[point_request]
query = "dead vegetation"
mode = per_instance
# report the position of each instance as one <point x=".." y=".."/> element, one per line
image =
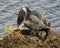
<point x="18" y="40"/>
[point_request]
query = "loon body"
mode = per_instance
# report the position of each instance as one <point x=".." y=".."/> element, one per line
<point x="34" y="21"/>
<point x="33" y="16"/>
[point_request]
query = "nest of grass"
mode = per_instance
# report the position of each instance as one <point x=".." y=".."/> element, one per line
<point x="18" y="40"/>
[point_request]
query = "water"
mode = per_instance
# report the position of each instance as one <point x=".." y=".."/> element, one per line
<point x="9" y="11"/>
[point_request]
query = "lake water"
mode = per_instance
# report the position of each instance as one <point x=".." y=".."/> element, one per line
<point x="9" y="10"/>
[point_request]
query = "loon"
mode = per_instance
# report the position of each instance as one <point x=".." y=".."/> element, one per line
<point x="34" y="16"/>
<point x="34" y="21"/>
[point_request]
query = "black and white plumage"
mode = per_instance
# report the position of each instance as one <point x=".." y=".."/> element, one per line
<point x="24" y="11"/>
<point x="33" y="16"/>
<point x="34" y="21"/>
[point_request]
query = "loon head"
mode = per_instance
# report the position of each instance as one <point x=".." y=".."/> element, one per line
<point x="24" y="11"/>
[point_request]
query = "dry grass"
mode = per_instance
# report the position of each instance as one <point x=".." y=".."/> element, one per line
<point x="17" y="40"/>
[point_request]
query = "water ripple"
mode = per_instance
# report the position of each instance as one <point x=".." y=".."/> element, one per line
<point x="9" y="11"/>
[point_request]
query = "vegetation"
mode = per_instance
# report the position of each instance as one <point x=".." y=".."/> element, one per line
<point x="18" y="40"/>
